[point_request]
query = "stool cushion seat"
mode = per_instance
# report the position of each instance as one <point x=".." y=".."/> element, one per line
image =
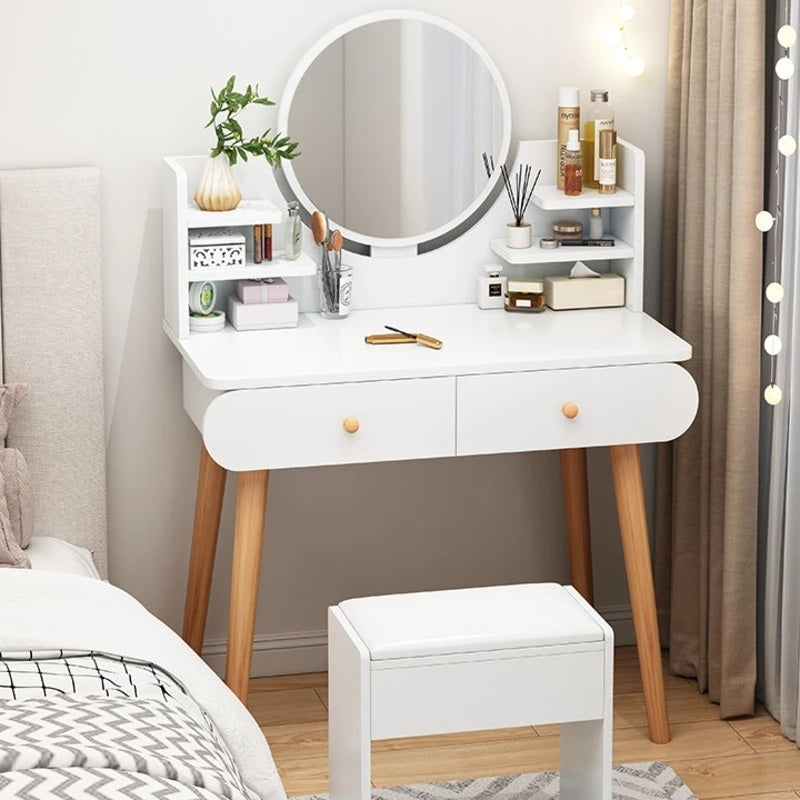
<point x="469" y="620"/>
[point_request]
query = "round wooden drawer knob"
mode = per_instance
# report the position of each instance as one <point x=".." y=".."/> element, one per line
<point x="570" y="410"/>
<point x="351" y="424"/>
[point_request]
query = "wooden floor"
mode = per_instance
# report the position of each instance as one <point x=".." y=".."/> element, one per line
<point x="746" y="759"/>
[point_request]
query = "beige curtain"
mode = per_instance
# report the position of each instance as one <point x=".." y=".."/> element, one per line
<point x="711" y="295"/>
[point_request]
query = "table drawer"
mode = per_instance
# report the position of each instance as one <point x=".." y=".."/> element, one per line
<point x="522" y="411"/>
<point x="303" y="426"/>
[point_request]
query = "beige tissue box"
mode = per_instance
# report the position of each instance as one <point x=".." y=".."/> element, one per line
<point x="563" y="293"/>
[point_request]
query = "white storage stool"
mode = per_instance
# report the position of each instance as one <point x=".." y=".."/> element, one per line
<point x="470" y="659"/>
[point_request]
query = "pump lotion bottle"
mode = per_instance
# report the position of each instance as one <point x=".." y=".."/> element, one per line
<point x="569" y="118"/>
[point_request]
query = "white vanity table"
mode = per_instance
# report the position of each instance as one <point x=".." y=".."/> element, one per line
<point x="319" y="395"/>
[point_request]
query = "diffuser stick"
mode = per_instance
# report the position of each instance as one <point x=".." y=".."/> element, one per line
<point x="521" y="190"/>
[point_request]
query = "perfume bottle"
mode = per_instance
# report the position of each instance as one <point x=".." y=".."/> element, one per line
<point x="492" y="287"/>
<point x="573" y="165"/>
<point x="292" y="233"/>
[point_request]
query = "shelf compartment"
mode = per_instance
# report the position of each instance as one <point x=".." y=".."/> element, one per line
<point x="551" y="198"/>
<point x="535" y="255"/>
<point x="279" y="267"/>
<point x="248" y="212"/>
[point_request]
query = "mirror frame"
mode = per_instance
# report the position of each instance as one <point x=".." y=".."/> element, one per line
<point x="456" y="226"/>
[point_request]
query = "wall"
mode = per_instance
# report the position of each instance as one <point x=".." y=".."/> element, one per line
<point x="97" y="82"/>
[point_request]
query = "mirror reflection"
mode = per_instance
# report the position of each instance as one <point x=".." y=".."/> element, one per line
<point x="393" y="118"/>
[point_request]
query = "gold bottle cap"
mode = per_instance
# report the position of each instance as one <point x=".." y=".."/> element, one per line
<point x="526" y="285"/>
<point x="268" y="227"/>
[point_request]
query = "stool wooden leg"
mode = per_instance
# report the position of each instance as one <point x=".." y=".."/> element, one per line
<point x="251" y="503"/>
<point x="575" y="484"/>
<point x="627" y="472"/>
<point x="349" y="757"/>
<point x="207" y="510"/>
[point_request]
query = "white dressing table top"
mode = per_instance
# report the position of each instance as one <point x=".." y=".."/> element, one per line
<point x="475" y="342"/>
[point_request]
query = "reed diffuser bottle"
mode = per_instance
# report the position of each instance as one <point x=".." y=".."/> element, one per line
<point x="519" y="191"/>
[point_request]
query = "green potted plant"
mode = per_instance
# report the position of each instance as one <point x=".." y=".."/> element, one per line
<point x="217" y="190"/>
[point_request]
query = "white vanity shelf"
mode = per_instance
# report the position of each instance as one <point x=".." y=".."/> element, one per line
<point x="536" y="255"/>
<point x="257" y="211"/>
<point x="551" y="198"/>
<point x="279" y="267"/>
<point x="623" y="220"/>
<point x="182" y="216"/>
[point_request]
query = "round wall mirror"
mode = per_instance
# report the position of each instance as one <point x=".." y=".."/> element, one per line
<point x="394" y="112"/>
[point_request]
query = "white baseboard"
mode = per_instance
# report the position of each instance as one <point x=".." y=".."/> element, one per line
<point x="307" y="651"/>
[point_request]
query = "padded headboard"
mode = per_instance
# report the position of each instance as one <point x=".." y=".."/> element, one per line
<point x="52" y="339"/>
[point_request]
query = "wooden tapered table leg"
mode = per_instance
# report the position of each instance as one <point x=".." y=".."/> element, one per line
<point x="207" y="510"/>
<point x="575" y="483"/>
<point x="251" y="503"/>
<point x="627" y="472"/>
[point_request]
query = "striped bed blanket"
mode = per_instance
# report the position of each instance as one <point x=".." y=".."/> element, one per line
<point x="96" y="726"/>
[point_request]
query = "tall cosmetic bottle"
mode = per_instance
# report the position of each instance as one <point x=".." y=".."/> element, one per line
<point x="292" y="232"/>
<point x="608" y="162"/>
<point x="569" y="118"/>
<point x="573" y="166"/>
<point x="600" y="118"/>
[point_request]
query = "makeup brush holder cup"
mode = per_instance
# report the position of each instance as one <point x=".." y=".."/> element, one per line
<point x="518" y="236"/>
<point x="335" y="286"/>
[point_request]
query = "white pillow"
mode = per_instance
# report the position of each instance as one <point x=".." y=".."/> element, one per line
<point x="56" y="555"/>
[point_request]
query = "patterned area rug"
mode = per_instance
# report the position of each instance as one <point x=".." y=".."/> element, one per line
<point x="651" y="780"/>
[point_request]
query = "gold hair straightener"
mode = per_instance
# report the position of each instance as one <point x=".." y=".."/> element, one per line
<point x="401" y="337"/>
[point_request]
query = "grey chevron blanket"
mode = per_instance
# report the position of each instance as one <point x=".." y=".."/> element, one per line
<point x="72" y="747"/>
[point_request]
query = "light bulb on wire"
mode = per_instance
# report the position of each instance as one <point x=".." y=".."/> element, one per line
<point x="774" y="292"/>
<point x="635" y="66"/>
<point x="784" y="68"/>
<point x="626" y="12"/>
<point x="773" y="344"/>
<point x="764" y="221"/>
<point x="787" y="145"/>
<point x="611" y="35"/>
<point x="773" y="394"/>
<point x="787" y="36"/>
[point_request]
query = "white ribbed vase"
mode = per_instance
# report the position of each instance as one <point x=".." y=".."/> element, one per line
<point x="217" y="190"/>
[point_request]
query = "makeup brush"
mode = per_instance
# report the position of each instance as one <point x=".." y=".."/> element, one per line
<point x="420" y="338"/>
<point x="319" y="227"/>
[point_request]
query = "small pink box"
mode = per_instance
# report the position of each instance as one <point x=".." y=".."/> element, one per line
<point x="266" y="290"/>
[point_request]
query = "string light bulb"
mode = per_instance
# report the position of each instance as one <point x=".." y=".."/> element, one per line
<point x="787" y="36"/>
<point x="611" y="35"/>
<point x="773" y="344"/>
<point x="784" y="68"/>
<point x="635" y="66"/>
<point x="773" y="394"/>
<point x="764" y="221"/>
<point x="787" y="145"/>
<point x="626" y="12"/>
<point x="774" y="292"/>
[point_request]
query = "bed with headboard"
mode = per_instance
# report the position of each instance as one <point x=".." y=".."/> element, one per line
<point x="51" y="338"/>
<point x="98" y="698"/>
